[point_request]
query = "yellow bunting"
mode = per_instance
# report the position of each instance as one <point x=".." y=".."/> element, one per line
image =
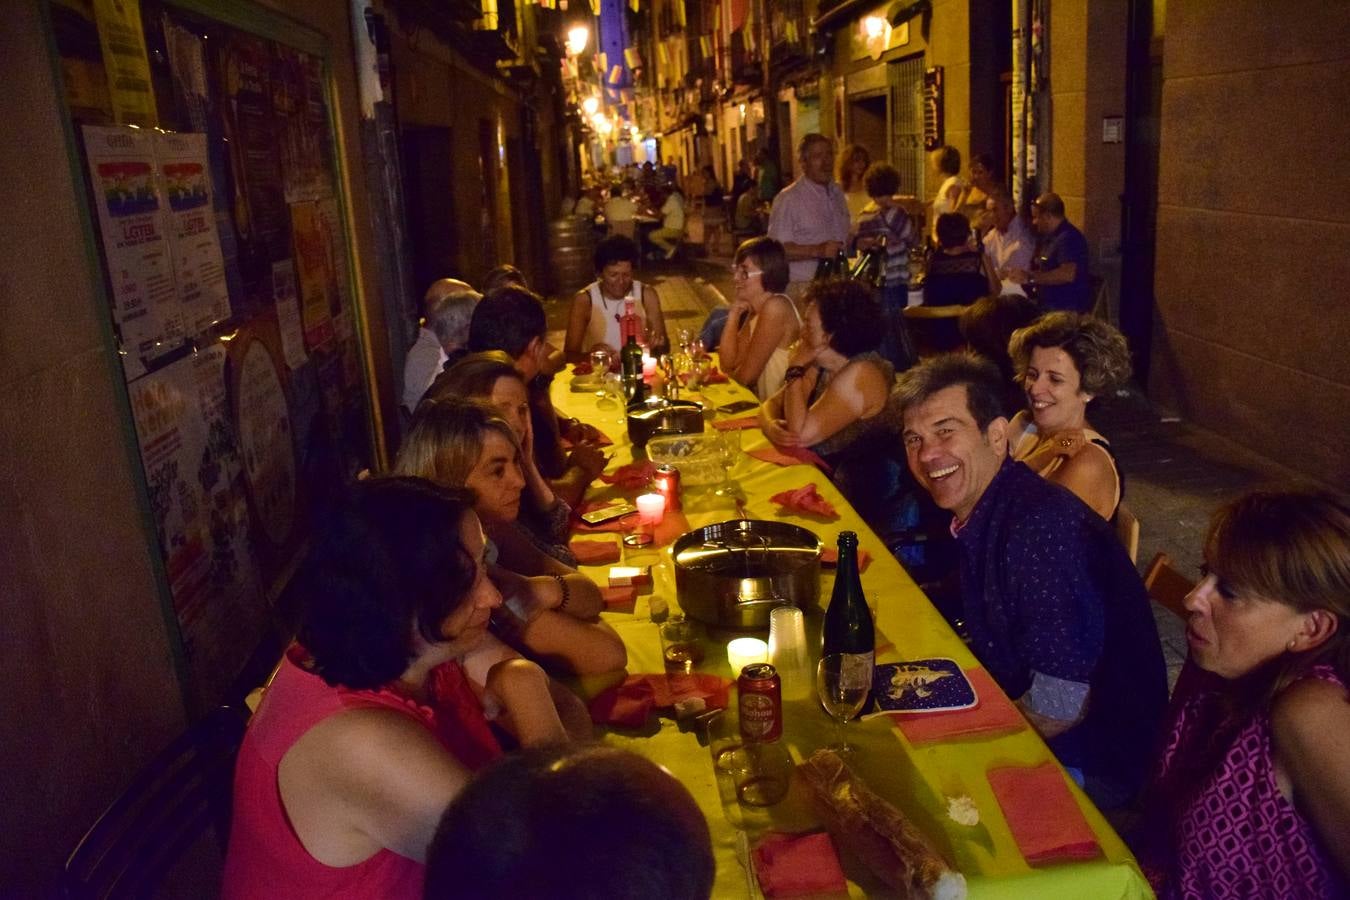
<point x="663" y="54"/>
<point x="705" y="44"/>
<point x="602" y="61"/>
<point x="631" y="57"/>
<point x="791" y="31"/>
<point x="616" y="75"/>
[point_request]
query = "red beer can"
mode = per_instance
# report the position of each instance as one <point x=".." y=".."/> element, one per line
<point x="761" y="703"/>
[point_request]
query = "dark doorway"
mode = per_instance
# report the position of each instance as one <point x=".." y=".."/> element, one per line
<point x="1139" y="203"/>
<point x="867" y="124"/>
<point x="429" y="176"/>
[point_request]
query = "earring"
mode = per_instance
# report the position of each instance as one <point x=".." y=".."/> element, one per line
<point x="1292" y="643"/>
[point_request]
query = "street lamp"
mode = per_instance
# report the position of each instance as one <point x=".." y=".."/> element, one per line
<point x="591" y="105"/>
<point x="578" y="36"/>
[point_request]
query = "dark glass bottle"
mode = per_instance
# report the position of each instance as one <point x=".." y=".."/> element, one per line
<point x="841" y="262"/>
<point x="824" y="268"/>
<point x="630" y="358"/>
<point x="848" y="621"/>
<point x="875" y="273"/>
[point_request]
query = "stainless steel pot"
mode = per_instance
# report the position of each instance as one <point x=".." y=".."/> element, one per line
<point x="658" y="416"/>
<point x="733" y="574"/>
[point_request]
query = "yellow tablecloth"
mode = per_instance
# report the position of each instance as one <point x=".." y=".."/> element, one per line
<point x="915" y="779"/>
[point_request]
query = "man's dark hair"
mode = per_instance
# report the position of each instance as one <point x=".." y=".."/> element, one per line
<point x="530" y="826"/>
<point x="507" y="319"/>
<point x="983" y="159"/>
<point x="882" y="180"/>
<point x="616" y="248"/>
<point x="953" y="230"/>
<point x="772" y="260"/>
<point x="1051" y="203"/>
<point x="387" y="560"/>
<point x="948" y="160"/>
<point x="978" y="375"/>
<point x="849" y="313"/>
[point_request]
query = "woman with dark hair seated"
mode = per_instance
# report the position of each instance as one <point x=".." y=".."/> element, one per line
<point x="371" y="727"/>
<point x="545" y="518"/>
<point x="837" y="403"/>
<point x="1064" y="360"/>
<point x="551" y="611"/>
<point x="1252" y="793"/>
<point x="956" y="274"/>
<point x="762" y="323"/>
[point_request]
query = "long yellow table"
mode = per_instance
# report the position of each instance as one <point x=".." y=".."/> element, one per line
<point x="917" y="779"/>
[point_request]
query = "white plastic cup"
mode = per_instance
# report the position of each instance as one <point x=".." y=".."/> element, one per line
<point x="787" y="650"/>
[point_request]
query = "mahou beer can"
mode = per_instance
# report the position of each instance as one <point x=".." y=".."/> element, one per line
<point x="668" y="485"/>
<point x="761" y="703"/>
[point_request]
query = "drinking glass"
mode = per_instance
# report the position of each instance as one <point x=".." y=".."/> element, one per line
<point x="614" y="393"/>
<point x="842" y="683"/>
<point x="729" y="451"/>
<point x="600" y="362"/>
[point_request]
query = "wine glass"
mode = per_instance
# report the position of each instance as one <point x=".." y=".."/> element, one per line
<point x="600" y="362"/>
<point x="843" y="681"/>
<point x="729" y="451"/>
<point x="613" y="385"/>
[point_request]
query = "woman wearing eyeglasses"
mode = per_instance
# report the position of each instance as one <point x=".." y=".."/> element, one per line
<point x="762" y="323"/>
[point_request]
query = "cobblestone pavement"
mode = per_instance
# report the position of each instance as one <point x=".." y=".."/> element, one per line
<point x="1176" y="473"/>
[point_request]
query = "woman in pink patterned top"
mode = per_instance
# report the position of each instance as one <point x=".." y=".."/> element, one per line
<point x="1252" y="794"/>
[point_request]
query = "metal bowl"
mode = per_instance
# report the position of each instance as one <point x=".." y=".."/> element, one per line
<point x="657" y="416"/>
<point x="733" y="574"/>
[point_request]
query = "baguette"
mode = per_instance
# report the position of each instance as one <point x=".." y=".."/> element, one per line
<point x="877" y="832"/>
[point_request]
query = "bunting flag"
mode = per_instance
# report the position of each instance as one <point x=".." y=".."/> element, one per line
<point x="679" y="15"/>
<point x="791" y="31"/>
<point x="601" y="61"/>
<point x="616" y="75"/>
<point x="705" y="44"/>
<point x="662" y="54"/>
<point x="630" y="56"/>
<point x="633" y="4"/>
<point x="740" y="9"/>
<point x="595" y="7"/>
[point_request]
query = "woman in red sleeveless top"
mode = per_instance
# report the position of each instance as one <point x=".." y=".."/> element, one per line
<point x="370" y="727"/>
<point x="1252" y="793"/>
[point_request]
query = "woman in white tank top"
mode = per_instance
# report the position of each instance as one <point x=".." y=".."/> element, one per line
<point x="763" y="323"/>
<point x="598" y="307"/>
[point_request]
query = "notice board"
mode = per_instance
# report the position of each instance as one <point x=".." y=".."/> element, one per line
<point x="208" y="150"/>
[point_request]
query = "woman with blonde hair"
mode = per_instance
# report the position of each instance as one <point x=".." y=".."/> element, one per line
<point x="850" y="168"/>
<point x="1064" y="360"/>
<point x="545" y="518"/>
<point x="1251" y="797"/>
<point x="551" y="611"/>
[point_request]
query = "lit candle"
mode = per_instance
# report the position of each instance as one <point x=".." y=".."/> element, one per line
<point x="651" y="508"/>
<point x="648" y="367"/>
<point x="745" y="651"/>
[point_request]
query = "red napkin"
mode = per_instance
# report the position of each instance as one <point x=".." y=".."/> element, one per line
<point x="595" y="553"/>
<point x="632" y="477"/>
<point x="992" y="712"/>
<point x="1045" y="821"/>
<point x="790" y="865"/>
<point x="805" y="499"/>
<point x="583" y="368"/>
<point x="794" y="456"/>
<point x="628" y="704"/>
<point x="619" y="598"/>
<point x="736" y="424"/>
<point x="829" y="558"/>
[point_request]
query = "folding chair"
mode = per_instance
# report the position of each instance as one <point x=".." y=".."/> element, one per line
<point x="183" y="791"/>
<point x="1166" y="586"/>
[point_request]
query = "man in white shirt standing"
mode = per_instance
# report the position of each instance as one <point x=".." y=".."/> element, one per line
<point x="447" y="308"/>
<point x="810" y="216"/>
<point x="1010" y="243"/>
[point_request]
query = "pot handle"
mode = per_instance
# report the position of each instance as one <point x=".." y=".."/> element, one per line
<point x="742" y="600"/>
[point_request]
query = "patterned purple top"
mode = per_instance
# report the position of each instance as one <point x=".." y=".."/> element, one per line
<point x="1224" y="830"/>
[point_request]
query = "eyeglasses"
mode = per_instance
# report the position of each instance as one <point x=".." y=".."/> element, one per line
<point x="740" y="273"/>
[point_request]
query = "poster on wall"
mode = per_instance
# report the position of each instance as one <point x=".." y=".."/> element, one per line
<point x="131" y="223"/>
<point x="186" y="185"/>
<point x="314" y="272"/>
<point x="288" y="313"/>
<point x="122" y="42"/>
<point x="263" y="423"/>
<point x="193" y="473"/>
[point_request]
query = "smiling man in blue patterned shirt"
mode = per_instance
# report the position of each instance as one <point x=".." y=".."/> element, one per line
<point x="1054" y="607"/>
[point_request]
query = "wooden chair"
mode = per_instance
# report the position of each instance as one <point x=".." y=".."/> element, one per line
<point x="1166" y="586"/>
<point x="1127" y="529"/>
<point x="183" y="791"/>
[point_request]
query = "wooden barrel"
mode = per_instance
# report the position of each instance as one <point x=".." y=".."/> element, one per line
<point x="571" y="253"/>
